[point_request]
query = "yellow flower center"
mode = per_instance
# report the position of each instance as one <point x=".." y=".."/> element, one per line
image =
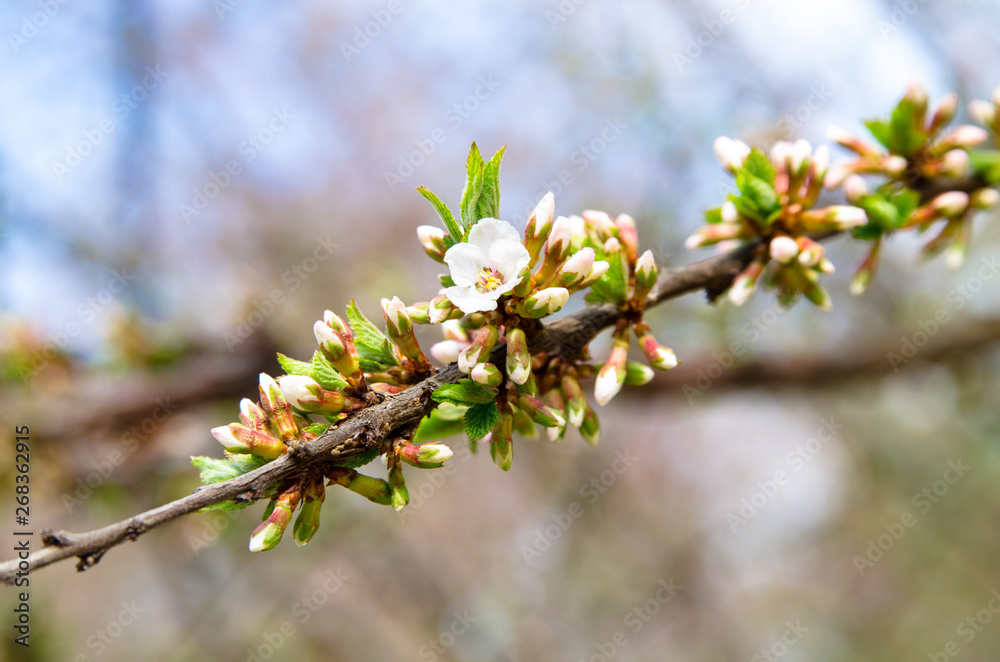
<point x="489" y="280"/>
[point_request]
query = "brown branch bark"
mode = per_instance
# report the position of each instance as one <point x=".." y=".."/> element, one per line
<point x="367" y="428"/>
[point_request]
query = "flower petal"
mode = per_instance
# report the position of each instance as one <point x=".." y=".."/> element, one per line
<point x="509" y="258"/>
<point x="469" y="300"/>
<point x="488" y="231"/>
<point x="465" y="261"/>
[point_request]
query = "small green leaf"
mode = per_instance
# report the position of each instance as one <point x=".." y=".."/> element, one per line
<point x="440" y="424"/>
<point x="867" y="232"/>
<point x="450" y="224"/>
<point x="371" y="343"/>
<point x="613" y="286"/>
<point x="319" y="369"/>
<point x="759" y="165"/>
<point x="324" y="373"/>
<point x="359" y="460"/>
<point x="481" y="419"/>
<point x="293" y="367"/>
<point x="879" y="128"/>
<point x="713" y="216"/>
<point x="905" y="128"/>
<point x="880" y="212"/>
<point x="216" y="470"/>
<point x="488" y="204"/>
<point x="986" y="164"/>
<point x="449" y="412"/>
<point x="593" y="296"/>
<point x="758" y="191"/>
<point x="906" y="202"/>
<point x="747" y="208"/>
<point x="475" y="168"/>
<point x="465" y="392"/>
<point x="226" y="505"/>
<point x="316" y="428"/>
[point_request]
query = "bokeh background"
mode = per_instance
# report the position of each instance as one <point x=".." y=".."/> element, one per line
<point x="186" y="186"/>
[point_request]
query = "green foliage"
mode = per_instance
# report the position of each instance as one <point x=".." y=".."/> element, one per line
<point x="613" y="286"/>
<point x="481" y="194"/>
<point x="759" y="165"/>
<point x="319" y="369"/>
<point x="359" y="460"/>
<point x="887" y="211"/>
<point x="986" y="164"/>
<point x="480" y="419"/>
<point x="488" y="204"/>
<point x="216" y="470"/>
<point x="444" y="421"/>
<point x="475" y="168"/>
<point x="450" y="224"/>
<point x="465" y="392"/>
<point x="373" y="346"/>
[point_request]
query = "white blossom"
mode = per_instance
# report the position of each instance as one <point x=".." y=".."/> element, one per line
<point x="487" y="266"/>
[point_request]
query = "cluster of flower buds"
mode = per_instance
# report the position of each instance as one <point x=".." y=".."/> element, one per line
<point x="915" y="149"/>
<point x="912" y="143"/>
<point x="356" y="365"/>
<point x="775" y="207"/>
<point x="915" y="153"/>
<point x="500" y="282"/>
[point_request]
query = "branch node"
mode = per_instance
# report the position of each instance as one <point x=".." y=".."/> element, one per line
<point x="52" y="538"/>
<point x="135" y="529"/>
<point x="88" y="561"/>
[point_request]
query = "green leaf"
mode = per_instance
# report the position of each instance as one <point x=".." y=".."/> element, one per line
<point x="450" y="224"/>
<point x="879" y="128"/>
<point x="215" y="470"/>
<point x="316" y="428"/>
<point x="593" y="296"/>
<point x="475" y="168"/>
<point x="746" y="207"/>
<point x="488" y="204"/>
<point x="319" y="369"/>
<point x="440" y="424"/>
<point x="759" y="165"/>
<point x="757" y="191"/>
<point x="905" y="128"/>
<point x="714" y="215"/>
<point x="880" y="212"/>
<point x="465" y="392"/>
<point x="359" y="460"/>
<point x="481" y="419"/>
<point x="324" y="373"/>
<point x="371" y="343"/>
<point x="226" y="505"/>
<point x="906" y="202"/>
<point x="867" y="232"/>
<point x="613" y="286"/>
<point x="293" y="367"/>
<point x="986" y="164"/>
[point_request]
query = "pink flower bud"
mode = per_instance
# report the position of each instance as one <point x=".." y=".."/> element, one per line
<point x="732" y="154"/>
<point x="783" y="249"/>
<point x="432" y="239"/>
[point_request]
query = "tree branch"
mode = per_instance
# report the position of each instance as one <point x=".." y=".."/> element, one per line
<point x="367" y="428"/>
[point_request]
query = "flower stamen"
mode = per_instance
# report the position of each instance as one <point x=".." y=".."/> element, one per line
<point x="489" y="280"/>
